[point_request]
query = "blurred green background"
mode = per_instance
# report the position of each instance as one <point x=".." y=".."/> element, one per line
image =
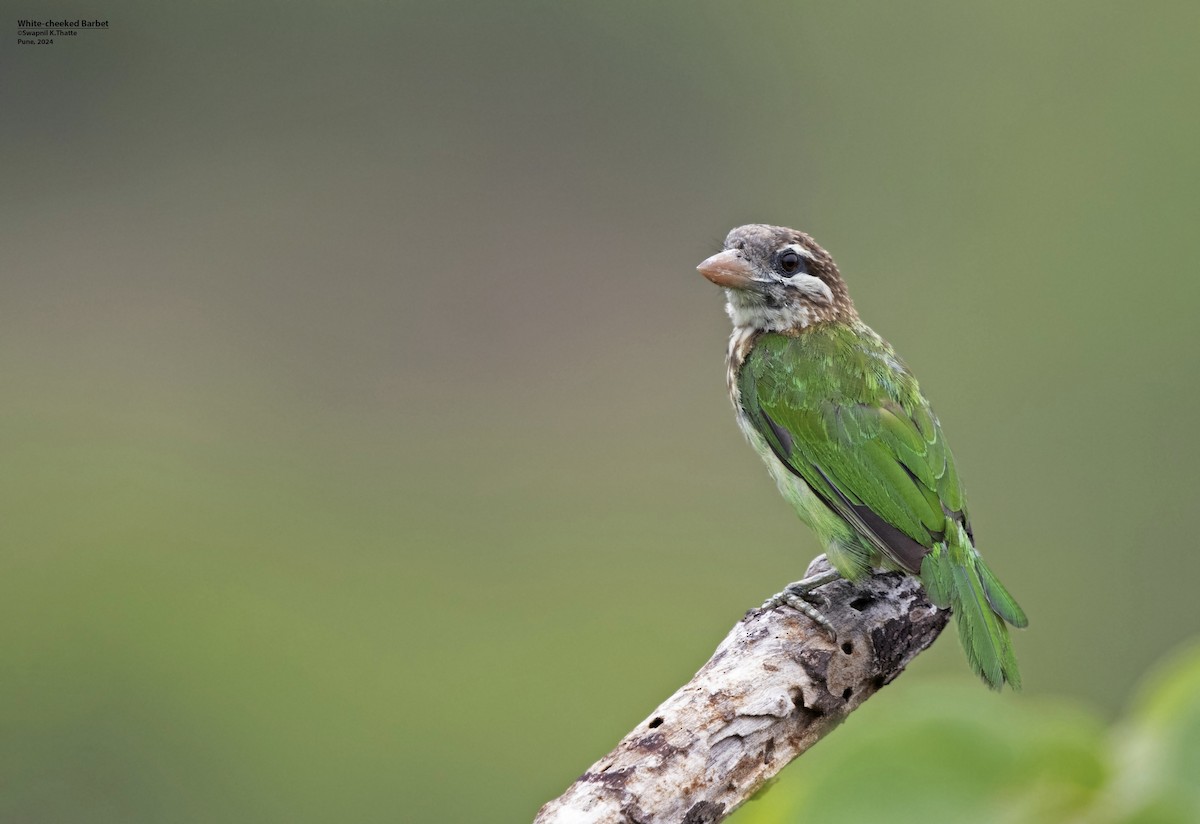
<point x="366" y="450"/>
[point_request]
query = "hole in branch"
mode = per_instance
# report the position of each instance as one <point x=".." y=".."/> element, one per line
<point x="657" y="722"/>
<point x="847" y="647"/>
<point x="806" y="713"/>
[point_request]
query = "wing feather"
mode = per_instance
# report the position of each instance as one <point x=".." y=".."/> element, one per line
<point x="840" y="411"/>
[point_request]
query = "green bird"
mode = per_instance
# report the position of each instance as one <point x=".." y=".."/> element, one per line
<point x="850" y="440"/>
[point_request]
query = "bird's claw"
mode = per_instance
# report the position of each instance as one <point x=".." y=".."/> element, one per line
<point x="799" y="596"/>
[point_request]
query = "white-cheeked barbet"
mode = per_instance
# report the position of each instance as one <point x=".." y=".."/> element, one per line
<point x="852" y="443"/>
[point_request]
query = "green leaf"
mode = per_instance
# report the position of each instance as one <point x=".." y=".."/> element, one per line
<point x="1159" y="749"/>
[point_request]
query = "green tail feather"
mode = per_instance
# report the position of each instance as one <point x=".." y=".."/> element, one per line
<point x="955" y="576"/>
<point x="1004" y="604"/>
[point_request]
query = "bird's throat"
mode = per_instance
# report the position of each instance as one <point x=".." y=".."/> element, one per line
<point x="767" y="315"/>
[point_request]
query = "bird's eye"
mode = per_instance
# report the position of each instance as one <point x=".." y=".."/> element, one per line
<point x="789" y="262"/>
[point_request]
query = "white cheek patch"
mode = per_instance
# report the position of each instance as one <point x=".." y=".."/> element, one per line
<point x="812" y="288"/>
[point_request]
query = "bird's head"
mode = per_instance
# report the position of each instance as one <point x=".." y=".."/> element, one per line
<point x="778" y="279"/>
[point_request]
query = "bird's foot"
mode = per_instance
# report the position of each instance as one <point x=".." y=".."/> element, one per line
<point x="799" y="596"/>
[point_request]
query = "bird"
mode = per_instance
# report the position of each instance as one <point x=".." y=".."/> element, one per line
<point x="851" y="441"/>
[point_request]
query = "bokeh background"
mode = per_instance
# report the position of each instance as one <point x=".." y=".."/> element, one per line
<point x="366" y="451"/>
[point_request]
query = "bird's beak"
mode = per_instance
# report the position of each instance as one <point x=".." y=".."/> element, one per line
<point x="729" y="269"/>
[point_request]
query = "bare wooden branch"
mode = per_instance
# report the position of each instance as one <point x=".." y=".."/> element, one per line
<point x="775" y="686"/>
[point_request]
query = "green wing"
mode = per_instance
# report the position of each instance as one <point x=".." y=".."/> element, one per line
<point x="839" y="409"/>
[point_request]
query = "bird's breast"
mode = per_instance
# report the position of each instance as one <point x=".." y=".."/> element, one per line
<point x="740" y="343"/>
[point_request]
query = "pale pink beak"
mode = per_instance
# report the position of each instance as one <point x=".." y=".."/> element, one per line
<point x="729" y="269"/>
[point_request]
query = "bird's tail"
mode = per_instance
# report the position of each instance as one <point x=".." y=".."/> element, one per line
<point x="955" y="576"/>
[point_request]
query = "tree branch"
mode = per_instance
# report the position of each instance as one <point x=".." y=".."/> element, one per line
<point x="775" y="686"/>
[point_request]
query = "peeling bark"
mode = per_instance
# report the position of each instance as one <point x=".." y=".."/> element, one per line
<point x="775" y="686"/>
